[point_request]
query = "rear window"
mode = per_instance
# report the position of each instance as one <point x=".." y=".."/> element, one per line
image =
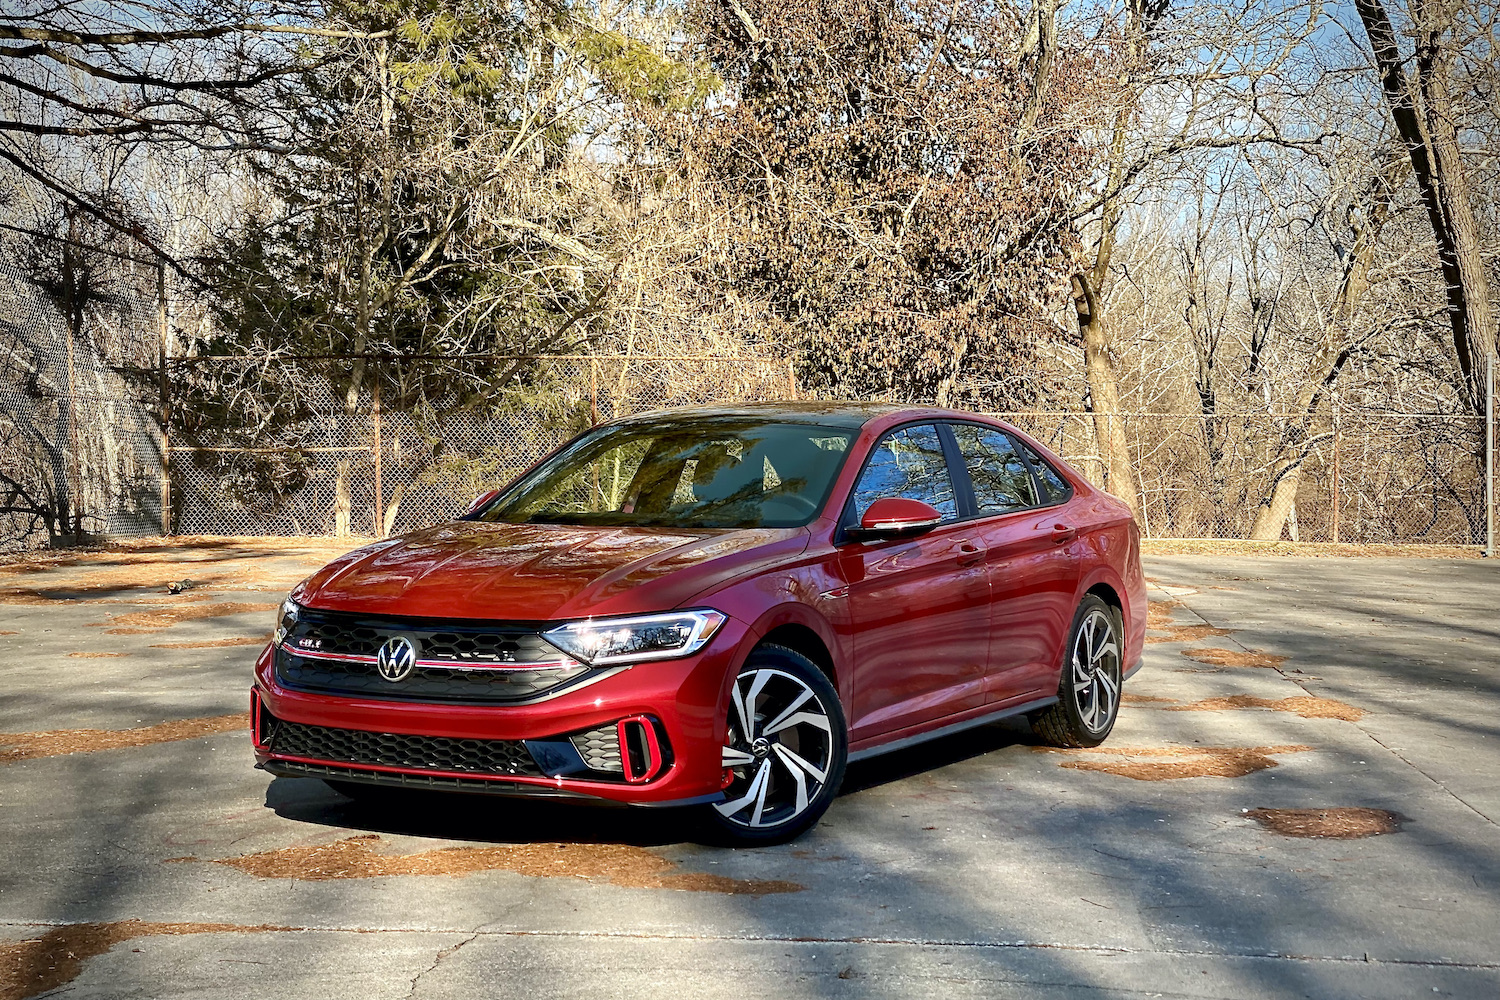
<point x="1055" y="489"/>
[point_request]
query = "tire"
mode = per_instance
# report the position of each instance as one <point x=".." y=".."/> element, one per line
<point x="1088" y="693"/>
<point x="787" y="747"/>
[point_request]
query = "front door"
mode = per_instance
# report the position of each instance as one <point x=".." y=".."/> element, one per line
<point x="919" y="606"/>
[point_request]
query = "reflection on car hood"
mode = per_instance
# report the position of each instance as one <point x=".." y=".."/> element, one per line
<point x="530" y="572"/>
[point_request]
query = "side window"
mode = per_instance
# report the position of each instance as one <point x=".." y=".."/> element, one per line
<point x="907" y="463"/>
<point x="1001" y="480"/>
<point x="1054" y="487"/>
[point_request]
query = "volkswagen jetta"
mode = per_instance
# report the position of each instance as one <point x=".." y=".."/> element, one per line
<point x="718" y="609"/>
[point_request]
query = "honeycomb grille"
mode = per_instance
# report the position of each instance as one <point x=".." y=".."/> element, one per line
<point x="428" y="753"/>
<point x="600" y="749"/>
<point x="423" y="683"/>
<point x="474" y="653"/>
<point x="339" y="634"/>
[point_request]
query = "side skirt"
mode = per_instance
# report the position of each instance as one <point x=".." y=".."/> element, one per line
<point x="957" y="727"/>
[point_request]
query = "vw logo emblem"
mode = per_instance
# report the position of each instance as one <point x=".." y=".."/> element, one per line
<point x="396" y="659"/>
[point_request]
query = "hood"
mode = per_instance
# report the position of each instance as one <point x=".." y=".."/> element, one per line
<point x="538" y="572"/>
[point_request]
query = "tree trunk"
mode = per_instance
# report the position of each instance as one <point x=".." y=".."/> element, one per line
<point x="1432" y="144"/>
<point x="1104" y="395"/>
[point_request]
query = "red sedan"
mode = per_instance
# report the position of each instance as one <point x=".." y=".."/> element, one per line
<point x="716" y="608"/>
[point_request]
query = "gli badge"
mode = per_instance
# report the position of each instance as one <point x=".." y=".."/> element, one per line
<point x="396" y="658"/>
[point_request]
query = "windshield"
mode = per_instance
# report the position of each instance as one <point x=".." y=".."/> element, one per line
<point x="702" y="473"/>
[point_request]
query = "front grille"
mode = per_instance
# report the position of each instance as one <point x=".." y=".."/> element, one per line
<point x="600" y="749"/>
<point x="458" y="662"/>
<point x="430" y="753"/>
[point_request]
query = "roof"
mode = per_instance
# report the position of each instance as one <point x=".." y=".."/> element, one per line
<point x="837" y="413"/>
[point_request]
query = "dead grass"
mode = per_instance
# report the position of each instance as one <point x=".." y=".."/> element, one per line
<point x="619" y="864"/>
<point x="1307" y="707"/>
<point x="243" y="640"/>
<point x="167" y="617"/>
<point x="1188" y="633"/>
<point x="1171" y="763"/>
<point x="42" y="964"/>
<point x="1317" y="550"/>
<point x="57" y="742"/>
<point x="1341" y="823"/>
<point x="1234" y="658"/>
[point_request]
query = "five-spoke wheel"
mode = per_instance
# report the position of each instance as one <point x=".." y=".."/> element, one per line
<point x="1088" y="697"/>
<point x="786" y="748"/>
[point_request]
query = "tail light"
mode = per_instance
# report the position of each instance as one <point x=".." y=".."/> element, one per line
<point x="640" y="750"/>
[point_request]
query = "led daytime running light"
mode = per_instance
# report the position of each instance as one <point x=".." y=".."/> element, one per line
<point x="669" y="636"/>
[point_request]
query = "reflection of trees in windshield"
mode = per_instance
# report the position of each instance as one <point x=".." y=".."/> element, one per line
<point x="702" y="474"/>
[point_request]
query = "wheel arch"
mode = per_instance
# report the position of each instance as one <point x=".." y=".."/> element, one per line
<point x="800" y="629"/>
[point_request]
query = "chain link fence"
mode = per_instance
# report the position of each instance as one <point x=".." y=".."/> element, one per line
<point x="379" y="446"/>
<point x="80" y="448"/>
<point x="1362" y="477"/>
<point x="365" y="446"/>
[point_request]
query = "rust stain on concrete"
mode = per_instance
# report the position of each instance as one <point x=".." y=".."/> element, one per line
<point x="58" y="742"/>
<point x="54" y="959"/>
<point x="1234" y="658"/>
<point x="167" y="617"/>
<point x="619" y="864"/>
<point x="1307" y="707"/>
<point x="1169" y="763"/>
<point x="243" y="640"/>
<point x="1340" y="823"/>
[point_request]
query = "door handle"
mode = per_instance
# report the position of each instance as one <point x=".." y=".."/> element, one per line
<point x="1063" y="533"/>
<point x="970" y="554"/>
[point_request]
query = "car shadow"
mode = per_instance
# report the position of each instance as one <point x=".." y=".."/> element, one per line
<point x="936" y="754"/>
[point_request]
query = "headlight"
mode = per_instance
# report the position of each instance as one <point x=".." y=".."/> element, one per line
<point x="286" y="618"/>
<point x="639" y="637"/>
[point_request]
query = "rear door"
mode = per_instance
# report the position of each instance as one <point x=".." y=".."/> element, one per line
<point x="1033" y="570"/>
<point x="919" y="606"/>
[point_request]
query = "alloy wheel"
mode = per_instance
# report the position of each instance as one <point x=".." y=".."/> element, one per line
<point x="1096" y="671"/>
<point x="779" y="751"/>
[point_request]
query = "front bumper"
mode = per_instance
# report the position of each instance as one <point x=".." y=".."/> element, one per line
<point x="671" y="713"/>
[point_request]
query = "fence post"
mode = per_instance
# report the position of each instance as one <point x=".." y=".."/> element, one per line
<point x="1489" y="455"/>
<point x="594" y="390"/>
<point x="165" y="389"/>
<point x="1338" y="432"/>
<point x="378" y="448"/>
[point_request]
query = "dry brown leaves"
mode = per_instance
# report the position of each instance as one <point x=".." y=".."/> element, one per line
<point x="1159" y="613"/>
<point x="1305" y="706"/>
<point x="1342" y="823"/>
<point x="1145" y="699"/>
<point x="244" y="640"/>
<point x="619" y="864"/>
<point x="1188" y="633"/>
<point x="56" y="742"/>
<point x="1168" y="763"/>
<point x="167" y="617"/>
<point x="1234" y="658"/>
<point x="42" y="964"/>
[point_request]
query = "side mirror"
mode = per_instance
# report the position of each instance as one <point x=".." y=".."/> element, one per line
<point x="480" y="501"/>
<point x="896" y="517"/>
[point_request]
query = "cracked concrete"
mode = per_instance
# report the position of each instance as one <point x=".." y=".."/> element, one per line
<point x="973" y="867"/>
